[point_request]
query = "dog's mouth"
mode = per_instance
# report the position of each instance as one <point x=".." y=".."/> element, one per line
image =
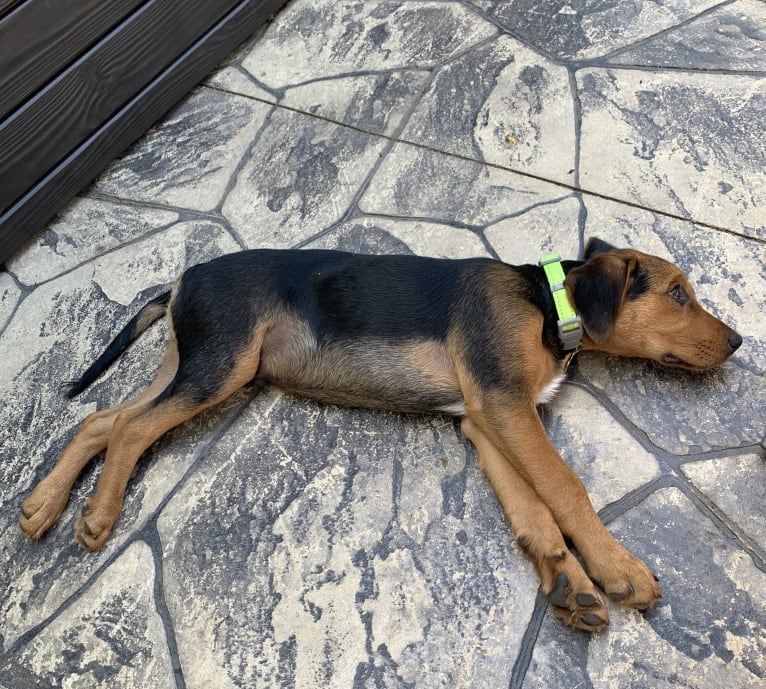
<point x="678" y="362"/>
<point x="672" y="360"/>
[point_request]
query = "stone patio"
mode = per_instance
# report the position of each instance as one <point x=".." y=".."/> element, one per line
<point x="273" y="542"/>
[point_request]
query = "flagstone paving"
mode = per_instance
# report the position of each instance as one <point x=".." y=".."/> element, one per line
<point x="274" y="542"/>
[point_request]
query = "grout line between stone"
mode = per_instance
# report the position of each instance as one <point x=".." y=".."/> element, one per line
<point x="243" y="160"/>
<point x="632" y="499"/>
<point x="503" y="29"/>
<point x="658" y="69"/>
<point x="680" y="482"/>
<point x="153" y="540"/>
<point x="73" y="598"/>
<point x="93" y="192"/>
<point x="582" y="215"/>
<point x="528" y="642"/>
<point x="663" y="32"/>
<point x="114" y="249"/>
<point x="24" y="292"/>
<point x="737" y="451"/>
<point x="339" y="75"/>
<point x="725" y="524"/>
<point x="638" y="434"/>
<point x="577" y="111"/>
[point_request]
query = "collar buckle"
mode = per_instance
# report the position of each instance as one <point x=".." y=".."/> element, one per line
<point x="569" y="323"/>
<point x="570" y="332"/>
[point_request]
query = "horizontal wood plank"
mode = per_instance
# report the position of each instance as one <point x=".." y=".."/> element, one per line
<point x="41" y="38"/>
<point x="77" y="169"/>
<point x="69" y="109"/>
<point x="7" y="5"/>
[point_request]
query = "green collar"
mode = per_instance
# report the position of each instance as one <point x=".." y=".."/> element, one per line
<point x="569" y="323"/>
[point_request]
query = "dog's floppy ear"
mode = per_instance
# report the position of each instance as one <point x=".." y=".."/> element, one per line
<point x="596" y="246"/>
<point x="598" y="290"/>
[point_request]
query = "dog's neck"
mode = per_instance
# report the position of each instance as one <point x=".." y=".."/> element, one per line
<point x="540" y="295"/>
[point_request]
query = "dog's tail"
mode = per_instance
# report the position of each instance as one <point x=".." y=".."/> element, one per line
<point x="151" y="312"/>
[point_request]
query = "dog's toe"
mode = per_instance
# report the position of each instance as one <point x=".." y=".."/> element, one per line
<point x="586" y="599"/>
<point x="594" y="620"/>
<point x="627" y="580"/>
<point x="42" y="509"/>
<point x="92" y="530"/>
<point x="558" y="595"/>
<point x="580" y="609"/>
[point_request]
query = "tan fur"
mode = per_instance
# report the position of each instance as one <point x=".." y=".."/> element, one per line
<point x="369" y="373"/>
<point x="650" y="327"/>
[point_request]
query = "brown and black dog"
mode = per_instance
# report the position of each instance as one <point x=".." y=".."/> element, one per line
<point x="475" y="338"/>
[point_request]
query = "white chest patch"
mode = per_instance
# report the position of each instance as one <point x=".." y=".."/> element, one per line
<point x="550" y="390"/>
<point x="454" y="409"/>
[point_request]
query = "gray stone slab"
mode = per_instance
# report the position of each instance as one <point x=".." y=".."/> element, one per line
<point x="576" y="29"/>
<point x="501" y="103"/>
<point x="732" y="37"/>
<point x="686" y="144"/>
<point x="610" y="463"/>
<point x="528" y="234"/>
<point x="325" y="39"/>
<point x="687" y="413"/>
<point x="110" y="636"/>
<point x="737" y="486"/>
<point x="416" y="183"/>
<point x="317" y="546"/>
<point x="188" y="159"/>
<point x="376" y="103"/>
<point x="85" y="229"/>
<point x="707" y="631"/>
<point x="363" y="64"/>
<point x="300" y="177"/>
<point x="399" y="236"/>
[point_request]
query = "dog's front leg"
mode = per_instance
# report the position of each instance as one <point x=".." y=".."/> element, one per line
<point x="519" y="435"/>
<point x="566" y="586"/>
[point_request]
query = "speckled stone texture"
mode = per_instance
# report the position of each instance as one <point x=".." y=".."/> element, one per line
<point x="273" y="542"/>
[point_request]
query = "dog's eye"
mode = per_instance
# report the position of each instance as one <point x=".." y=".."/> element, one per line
<point x="678" y="293"/>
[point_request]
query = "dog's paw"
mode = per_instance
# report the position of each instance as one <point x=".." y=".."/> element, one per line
<point x="42" y="509"/>
<point x="577" y="601"/>
<point x="94" y="526"/>
<point x="626" y="579"/>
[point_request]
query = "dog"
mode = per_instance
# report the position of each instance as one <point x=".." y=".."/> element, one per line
<point x="474" y="338"/>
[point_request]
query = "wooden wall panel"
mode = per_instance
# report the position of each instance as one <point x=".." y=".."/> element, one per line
<point x="90" y="90"/>
<point x="54" y="144"/>
<point x="40" y="37"/>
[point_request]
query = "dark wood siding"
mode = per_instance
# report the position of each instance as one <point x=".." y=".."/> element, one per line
<point x="81" y="80"/>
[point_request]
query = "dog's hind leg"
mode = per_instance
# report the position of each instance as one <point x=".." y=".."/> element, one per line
<point x="44" y="506"/>
<point x="196" y="386"/>
<point x="564" y="582"/>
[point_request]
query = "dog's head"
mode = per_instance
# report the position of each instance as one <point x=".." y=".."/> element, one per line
<point x="637" y="305"/>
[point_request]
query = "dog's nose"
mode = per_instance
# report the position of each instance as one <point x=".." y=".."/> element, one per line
<point x="735" y="340"/>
